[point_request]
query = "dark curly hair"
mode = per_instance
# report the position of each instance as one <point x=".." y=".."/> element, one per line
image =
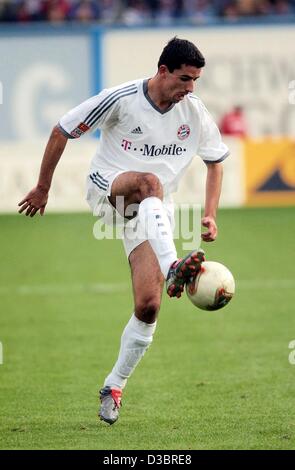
<point x="179" y="52"/>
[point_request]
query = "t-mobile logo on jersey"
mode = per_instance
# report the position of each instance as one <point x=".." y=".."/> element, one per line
<point x="153" y="150"/>
<point x="165" y="150"/>
<point x="126" y="144"/>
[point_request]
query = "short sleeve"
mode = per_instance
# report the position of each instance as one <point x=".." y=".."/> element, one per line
<point x="211" y="148"/>
<point x="96" y="112"/>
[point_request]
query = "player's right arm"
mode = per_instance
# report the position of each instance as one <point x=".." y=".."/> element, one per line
<point x="98" y="111"/>
<point x="36" y="199"/>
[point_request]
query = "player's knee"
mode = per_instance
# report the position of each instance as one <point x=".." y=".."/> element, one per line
<point x="150" y="185"/>
<point x="147" y="309"/>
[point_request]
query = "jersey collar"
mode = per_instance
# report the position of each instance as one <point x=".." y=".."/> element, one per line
<point x="145" y="92"/>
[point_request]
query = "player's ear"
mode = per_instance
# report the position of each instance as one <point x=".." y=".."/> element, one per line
<point x="163" y="70"/>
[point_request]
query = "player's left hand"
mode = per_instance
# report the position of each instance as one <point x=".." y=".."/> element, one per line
<point x="210" y="224"/>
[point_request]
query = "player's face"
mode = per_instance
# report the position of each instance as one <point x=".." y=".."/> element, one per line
<point x="180" y="82"/>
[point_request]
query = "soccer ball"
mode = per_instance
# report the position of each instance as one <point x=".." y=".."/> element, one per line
<point x="213" y="287"/>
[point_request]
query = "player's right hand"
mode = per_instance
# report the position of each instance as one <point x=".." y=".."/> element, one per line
<point x="34" y="201"/>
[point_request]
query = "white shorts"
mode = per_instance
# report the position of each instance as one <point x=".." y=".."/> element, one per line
<point x="99" y="186"/>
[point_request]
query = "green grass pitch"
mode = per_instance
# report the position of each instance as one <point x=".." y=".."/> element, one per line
<point x="211" y="380"/>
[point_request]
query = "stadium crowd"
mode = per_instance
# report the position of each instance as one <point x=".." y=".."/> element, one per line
<point x="139" y="12"/>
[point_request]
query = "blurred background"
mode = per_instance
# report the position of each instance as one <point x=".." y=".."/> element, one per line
<point x="141" y="12"/>
<point x="57" y="53"/>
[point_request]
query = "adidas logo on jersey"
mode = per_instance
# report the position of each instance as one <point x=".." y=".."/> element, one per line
<point x="137" y="130"/>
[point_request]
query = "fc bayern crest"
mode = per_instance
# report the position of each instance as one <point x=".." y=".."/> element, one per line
<point x="183" y="132"/>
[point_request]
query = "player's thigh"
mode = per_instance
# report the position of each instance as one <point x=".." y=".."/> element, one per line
<point x="131" y="187"/>
<point x="147" y="282"/>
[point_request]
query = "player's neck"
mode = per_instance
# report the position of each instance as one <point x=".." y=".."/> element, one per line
<point x="156" y="95"/>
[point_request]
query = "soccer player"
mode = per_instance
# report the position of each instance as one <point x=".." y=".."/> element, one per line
<point x="150" y="131"/>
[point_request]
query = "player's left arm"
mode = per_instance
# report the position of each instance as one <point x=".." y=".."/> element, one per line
<point x="213" y="190"/>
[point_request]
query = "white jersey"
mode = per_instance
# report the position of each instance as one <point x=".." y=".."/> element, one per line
<point x="137" y="136"/>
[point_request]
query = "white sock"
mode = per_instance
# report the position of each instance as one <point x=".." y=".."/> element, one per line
<point x="154" y="219"/>
<point x="136" y="338"/>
